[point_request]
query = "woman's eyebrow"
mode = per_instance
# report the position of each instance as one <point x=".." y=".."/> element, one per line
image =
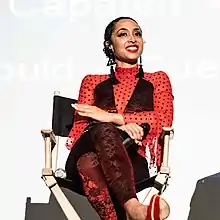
<point x="125" y="29"/>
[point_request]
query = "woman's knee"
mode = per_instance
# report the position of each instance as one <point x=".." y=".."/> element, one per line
<point x="104" y="129"/>
<point x="105" y="125"/>
<point x="87" y="160"/>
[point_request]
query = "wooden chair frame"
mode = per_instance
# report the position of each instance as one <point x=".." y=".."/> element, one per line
<point x="48" y="172"/>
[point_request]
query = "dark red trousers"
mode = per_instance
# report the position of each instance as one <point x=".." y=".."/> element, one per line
<point x="104" y="170"/>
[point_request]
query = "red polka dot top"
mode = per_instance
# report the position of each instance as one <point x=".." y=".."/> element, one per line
<point x="160" y="116"/>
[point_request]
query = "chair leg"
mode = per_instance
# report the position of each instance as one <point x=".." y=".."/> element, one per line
<point x="62" y="200"/>
<point x="50" y="181"/>
<point x="158" y="188"/>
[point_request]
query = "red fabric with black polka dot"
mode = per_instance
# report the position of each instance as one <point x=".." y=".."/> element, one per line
<point x="161" y="116"/>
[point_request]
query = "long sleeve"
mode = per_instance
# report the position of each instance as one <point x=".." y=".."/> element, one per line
<point x="162" y="115"/>
<point x="85" y="97"/>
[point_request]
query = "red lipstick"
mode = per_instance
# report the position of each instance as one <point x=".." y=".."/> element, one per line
<point x="132" y="48"/>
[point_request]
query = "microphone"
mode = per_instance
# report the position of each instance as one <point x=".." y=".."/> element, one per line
<point x="128" y="141"/>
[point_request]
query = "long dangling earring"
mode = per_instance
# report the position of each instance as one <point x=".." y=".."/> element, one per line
<point x="111" y="63"/>
<point x="109" y="53"/>
<point x="140" y="73"/>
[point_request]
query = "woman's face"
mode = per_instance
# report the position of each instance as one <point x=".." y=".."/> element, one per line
<point x="127" y="41"/>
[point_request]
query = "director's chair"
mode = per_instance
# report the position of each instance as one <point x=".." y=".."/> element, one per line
<point x="62" y="120"/>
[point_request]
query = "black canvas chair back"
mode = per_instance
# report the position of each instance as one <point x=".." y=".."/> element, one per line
<point x="62" y="121"/>
<point x="63" y="115"/>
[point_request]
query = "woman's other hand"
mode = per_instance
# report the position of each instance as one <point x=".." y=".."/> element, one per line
<point x="135" y="131"/>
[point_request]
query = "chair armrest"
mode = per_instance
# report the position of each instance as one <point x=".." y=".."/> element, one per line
<point x="49" y="133"/>
<point x="50" y="142"/>
<point x="167" y="135"/>
<point x="168" y="131"/>
<point x="161" y="180"/>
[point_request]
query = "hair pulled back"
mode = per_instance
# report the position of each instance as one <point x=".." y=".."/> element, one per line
<point x="109" y="52"/>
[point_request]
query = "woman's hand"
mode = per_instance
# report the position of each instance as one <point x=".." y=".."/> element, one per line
<point x="135" y="131"/>
<point x="92" y="111"/>
<point x="96" y="113"/>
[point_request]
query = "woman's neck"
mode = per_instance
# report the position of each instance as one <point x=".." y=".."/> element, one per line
<point x="125" y="65"/>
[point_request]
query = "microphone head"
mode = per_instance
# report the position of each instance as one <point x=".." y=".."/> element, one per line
<point x="146" y="128"/>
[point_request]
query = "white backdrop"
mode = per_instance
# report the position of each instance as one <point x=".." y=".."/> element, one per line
<point x="49" y="45"/>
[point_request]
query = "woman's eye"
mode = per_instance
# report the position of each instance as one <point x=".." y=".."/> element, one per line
<point x="122" y="34"/>
<point x="138" y="34"/>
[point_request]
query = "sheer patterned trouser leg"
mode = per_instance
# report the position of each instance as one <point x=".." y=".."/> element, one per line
<point x="95" y="186"/>
<point x="105" y="146"/>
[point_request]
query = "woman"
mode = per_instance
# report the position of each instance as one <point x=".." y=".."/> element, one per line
<point x="107" y="104"/>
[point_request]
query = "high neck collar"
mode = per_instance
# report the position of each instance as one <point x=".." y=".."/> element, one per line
<point x="126" y="72"/>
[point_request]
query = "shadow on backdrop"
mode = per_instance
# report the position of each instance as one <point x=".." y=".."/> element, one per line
<point x="53" y="211"/>
<point x="205" y="202"/>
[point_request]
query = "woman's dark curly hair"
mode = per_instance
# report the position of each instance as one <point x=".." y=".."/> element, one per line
<point x="109" y="52"/>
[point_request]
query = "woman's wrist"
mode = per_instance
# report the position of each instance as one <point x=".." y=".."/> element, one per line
<point x="117" y="118"/>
